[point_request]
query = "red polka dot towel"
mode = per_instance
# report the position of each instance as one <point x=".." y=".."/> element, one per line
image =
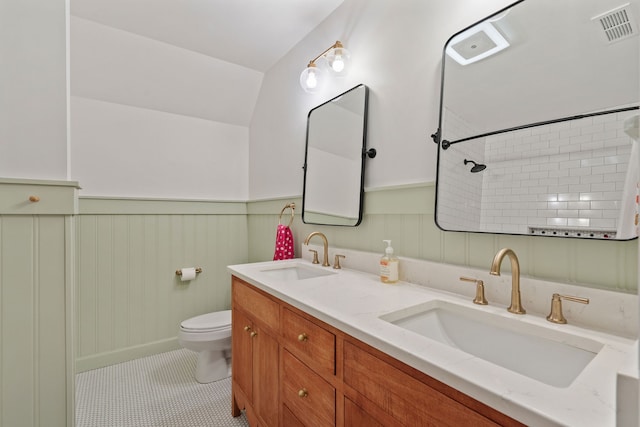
<point x="284" y="243"/>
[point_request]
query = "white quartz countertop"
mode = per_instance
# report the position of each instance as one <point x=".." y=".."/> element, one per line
<point x="353" y="302"/>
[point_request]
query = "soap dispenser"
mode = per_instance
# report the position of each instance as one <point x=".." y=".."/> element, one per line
<point x="388" y="265"/>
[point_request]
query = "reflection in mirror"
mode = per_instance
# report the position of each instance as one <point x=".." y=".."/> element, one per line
<point x="552" y="115"/>
<point x="334" y="160"/>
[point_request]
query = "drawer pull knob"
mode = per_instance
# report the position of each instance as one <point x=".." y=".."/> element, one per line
<point x="253" y="334"/>
<point x="303" y="392"/>
<point x="34" y="199"/>
<point x="247" y="328"/>
<point x="302" y="337"/>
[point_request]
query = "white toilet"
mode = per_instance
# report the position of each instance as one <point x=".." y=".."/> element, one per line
<point x="210" y="336"/>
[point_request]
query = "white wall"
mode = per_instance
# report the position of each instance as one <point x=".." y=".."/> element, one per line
<point x="149" y="119"/>
<point x="124" y="151"/>
<point x="396" y="50"/>
<point x="33" y="88"/>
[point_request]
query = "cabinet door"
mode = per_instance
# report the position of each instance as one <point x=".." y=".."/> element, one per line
<point x="265" y="377"/>
<point x="255" y="371"/>
<point x="260" y="307"/>
<point x="242" y="363"/>
<point x="354" y="416"/>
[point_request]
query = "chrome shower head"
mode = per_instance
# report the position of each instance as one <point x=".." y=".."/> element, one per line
<point x="476" y="167"/>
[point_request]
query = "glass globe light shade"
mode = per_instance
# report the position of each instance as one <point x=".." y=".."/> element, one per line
<point x="339" y="60"/>
<point x="312" y="78"/>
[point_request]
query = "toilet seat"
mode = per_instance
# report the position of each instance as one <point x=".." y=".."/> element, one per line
<point x="210" y="336"/>
<point x="211" y="322"/>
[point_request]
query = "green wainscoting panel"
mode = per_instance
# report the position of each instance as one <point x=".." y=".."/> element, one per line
<point x="130" y="302"/>
<point x="38" y="197"/>
<point x="36" y="384"/>
<point x="402" y="199"/>
<point x="132" y="206"/>
<point x="263" y="220"/>
<point x="405" y="214"/>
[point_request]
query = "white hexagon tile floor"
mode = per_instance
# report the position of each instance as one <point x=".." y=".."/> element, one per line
<point x="154" y="391"/>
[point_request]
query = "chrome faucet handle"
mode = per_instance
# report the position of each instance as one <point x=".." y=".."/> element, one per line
<point x="336" y="262"/>
<point x="479" y="299"/>
<point x="315" y="256"/>
<point x="556" y="315"/>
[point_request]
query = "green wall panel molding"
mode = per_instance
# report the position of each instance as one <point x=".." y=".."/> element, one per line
<point x="138" y="206"/>
<point x="38" y="197"/>
<point x="405" y="214"/>
<point x="268" y="207"/>
<point x="39" y="182"/>
<point x="100" y="360"/>
<point x="36" y="376"/>
<point x="36" y="293"/>
<point x="401" y="199"/>
<point x="128" y="297"/>
<point x="129" y="302"/>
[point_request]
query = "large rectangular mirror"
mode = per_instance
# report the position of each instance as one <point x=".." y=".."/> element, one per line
<point x="335" y="160"/>
<point x="539" y="113"/>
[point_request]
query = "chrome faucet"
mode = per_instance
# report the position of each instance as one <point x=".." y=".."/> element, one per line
<point x="516" y="304"/>
<point x="325" y="242"/>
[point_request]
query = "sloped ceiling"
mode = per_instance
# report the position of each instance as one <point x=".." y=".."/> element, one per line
<point x="251" y="33"/>
<point x="195" y="58"/>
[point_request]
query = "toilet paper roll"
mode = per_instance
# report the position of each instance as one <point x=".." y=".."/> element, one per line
<point x="188" y="273"/>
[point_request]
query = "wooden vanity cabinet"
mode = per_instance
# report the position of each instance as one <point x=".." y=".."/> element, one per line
<point x="308" y="341"/>
<point x="383" y="389"/>
<point x="355" y="416"/>
<point x="293" y="370"/>
<point x="308" y="369"/>
<point x="306" y="394"/>
<point x="255" y="367"/>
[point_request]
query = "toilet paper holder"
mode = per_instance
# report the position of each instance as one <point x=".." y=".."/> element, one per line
<point x="179" y="272"/>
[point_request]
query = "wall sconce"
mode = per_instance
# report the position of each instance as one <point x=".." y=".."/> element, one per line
<point x="313" y="76"/>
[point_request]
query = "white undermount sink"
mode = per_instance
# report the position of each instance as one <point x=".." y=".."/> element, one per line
<point x="295" y="271"/>
<point x="553" y="357"/>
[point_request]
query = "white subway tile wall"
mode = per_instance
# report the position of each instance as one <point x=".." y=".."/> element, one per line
<point x="567" y="175"/>
<point x="461" y="210"/>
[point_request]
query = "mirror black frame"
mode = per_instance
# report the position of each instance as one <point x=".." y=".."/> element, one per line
<point x="444" y="144"/>
<point x="364" y="153"/>
<point x="437" y="135"/>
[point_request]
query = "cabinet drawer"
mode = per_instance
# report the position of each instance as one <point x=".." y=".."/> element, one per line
<point x="17" y="198"/>
<point x="311" y="343"/>
<point x="310" y="398"/>
<point x="290" y="420"/>
<point x="261" y="308"/>
<point x="402" y="396"/>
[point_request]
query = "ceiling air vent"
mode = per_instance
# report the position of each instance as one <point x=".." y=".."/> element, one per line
<point x="617" y="24"/>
